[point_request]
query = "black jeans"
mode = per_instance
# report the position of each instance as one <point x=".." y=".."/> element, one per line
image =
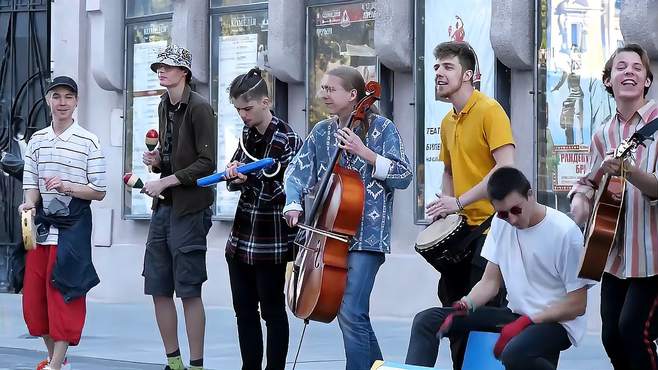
<point x="455" y="283"/>
<point x="537" y="347"/>
<point x="630" y="323"/>
<point x="252" y="285"/>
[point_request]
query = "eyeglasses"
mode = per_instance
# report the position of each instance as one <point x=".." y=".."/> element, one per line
<point x="516" y="210"/>
<point x="327" y="89"/>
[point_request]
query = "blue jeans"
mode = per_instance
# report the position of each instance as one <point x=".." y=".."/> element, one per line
<point x="361" y="347"/>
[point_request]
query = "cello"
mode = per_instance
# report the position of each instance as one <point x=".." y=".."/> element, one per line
<point x="317" y="283"/>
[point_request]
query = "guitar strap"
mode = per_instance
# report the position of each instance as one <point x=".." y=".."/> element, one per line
<point x="648" y="130"/>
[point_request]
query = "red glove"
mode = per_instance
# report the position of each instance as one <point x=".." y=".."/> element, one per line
<point x="510" y="331"/>
<point x="460" y="309"/>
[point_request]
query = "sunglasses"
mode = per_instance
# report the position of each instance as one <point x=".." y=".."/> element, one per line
<point x="516" y="210"/>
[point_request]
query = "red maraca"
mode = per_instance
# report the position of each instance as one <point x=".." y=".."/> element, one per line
<point x="151" y="141"/>
<point x="134" y="181"/>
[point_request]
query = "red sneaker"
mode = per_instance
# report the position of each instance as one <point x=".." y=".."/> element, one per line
<point x="42" y="364"/>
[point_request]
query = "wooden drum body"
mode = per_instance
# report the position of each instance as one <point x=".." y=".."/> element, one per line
<point x="440" y="242"/>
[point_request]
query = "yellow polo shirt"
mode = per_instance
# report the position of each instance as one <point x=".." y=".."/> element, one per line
<point x="467" y="140"/>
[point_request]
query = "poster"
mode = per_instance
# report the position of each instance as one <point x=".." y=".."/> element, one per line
<point x="573" y="163"/>
<point x="144" y="92"/>
<point x="467" y="20"/>
<point x="339" y="35"/>
<point x="581" y="35"/>
<point x="237" y="56"/>
<point x="145" y="117"/>
<point x="143" y="55"/>
<point x="241" y="44"/>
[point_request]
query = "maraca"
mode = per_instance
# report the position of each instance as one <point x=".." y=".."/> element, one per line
<point x="151" y="141"/>
<point x="134" y="181"/>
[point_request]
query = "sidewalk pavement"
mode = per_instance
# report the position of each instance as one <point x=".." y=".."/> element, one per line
<point x="125" y="337"/>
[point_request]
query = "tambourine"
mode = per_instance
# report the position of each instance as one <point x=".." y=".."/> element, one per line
<point x="28" y="230"/>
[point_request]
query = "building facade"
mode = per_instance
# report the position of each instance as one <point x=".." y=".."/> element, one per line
<point x="541" y="59"/>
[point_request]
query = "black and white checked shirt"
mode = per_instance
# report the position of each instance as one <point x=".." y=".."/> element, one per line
<point x="260" y="234"/>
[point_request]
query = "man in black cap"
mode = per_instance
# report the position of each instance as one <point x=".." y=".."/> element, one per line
<point x="64" y="171"/>
<point x="175" y="259"/>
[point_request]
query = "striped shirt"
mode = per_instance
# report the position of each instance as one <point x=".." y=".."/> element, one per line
<point x="635" y="253"/>
<point x="75" y="156"/>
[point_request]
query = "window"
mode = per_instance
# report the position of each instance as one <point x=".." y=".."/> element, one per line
<point x="144" y="40"/>
<point x="219" y="3"/>
<point x="139" y="8"/>
<point x="340" y="34"/>
<point x="239" y="43"/>
<point x="573" y="101"/>
<point x="436" y="22"/>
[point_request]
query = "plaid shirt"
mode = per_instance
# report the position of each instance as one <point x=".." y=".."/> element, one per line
<point x="260" y="233"/>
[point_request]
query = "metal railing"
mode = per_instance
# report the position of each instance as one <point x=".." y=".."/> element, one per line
<point x="24" y="69"/>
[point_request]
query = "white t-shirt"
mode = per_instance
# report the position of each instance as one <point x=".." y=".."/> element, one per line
<point x="539" y="264"/>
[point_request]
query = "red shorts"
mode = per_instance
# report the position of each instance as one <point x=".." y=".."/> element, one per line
<point x="44" y="309"/>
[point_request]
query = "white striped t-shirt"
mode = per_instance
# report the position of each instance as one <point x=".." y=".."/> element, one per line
<point x="75" y="156"/>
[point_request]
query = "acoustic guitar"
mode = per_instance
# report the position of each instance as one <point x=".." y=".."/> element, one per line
<point x="607" y="211"/>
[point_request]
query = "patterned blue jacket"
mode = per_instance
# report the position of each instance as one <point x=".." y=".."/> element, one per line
<point x="392" y="171"/>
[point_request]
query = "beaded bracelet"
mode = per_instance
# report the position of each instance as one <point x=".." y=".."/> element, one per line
<point x="459" y="204"/>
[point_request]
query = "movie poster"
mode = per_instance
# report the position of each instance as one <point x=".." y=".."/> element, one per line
<point x="467" y="20"/>
<point x="240" y="44"/>
<point x="580" y="36"/>
<point x="339" y="35"/>
<point x="148" y="39"/>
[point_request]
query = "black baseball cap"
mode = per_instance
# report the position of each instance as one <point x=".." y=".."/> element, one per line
<point x="65" y="81"/>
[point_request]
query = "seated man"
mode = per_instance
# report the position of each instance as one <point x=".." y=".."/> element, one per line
<point x="534" y="251"/>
